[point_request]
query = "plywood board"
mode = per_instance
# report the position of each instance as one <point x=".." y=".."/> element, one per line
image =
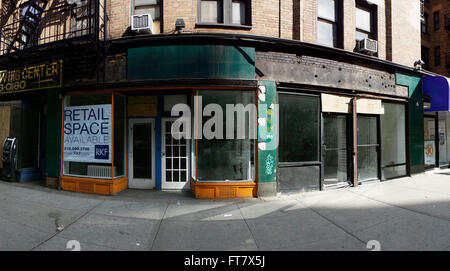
<point x="336" y="104"/>
<point x="369" y="106"/>
<point x="142" y="106"/>
<point x="5" y="120"/>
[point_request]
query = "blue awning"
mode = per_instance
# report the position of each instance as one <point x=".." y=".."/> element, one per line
<point x="438" y="89"/>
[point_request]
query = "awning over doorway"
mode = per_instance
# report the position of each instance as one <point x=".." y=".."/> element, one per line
<point x="438" y="89"/>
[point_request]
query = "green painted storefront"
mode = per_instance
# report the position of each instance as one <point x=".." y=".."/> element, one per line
<point x="416" y="127"/>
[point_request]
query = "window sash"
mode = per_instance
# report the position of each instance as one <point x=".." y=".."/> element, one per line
<point x="364" y="19"/>
<point x="207" y="10"/>
<point x="436" y="20"/>
<point x="424" y="25"/>
<point x="326" y="11"/>
<point x="238" y="12"/>
<point x="437" y="56"/>
<point x="323" y="36"/>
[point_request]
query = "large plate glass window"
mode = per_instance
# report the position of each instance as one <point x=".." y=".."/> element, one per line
<point x="299" y="128"/>
<point x="227" y="159"/>
<point x="90" y="122"/>
<point x="393" y="143"/>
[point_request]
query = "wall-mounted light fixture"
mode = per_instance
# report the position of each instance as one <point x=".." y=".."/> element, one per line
<point x="179" y="25"/>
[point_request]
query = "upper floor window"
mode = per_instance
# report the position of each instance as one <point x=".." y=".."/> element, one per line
<point x="365" y="16"/>
<point x="424" y="24"/>
<point x="425" y="57"/>
<point x="226" y="12"/>
<point x="436" y="20"/>
<point x="437" y="56"/>
<point x="152" y="7"/>
<point x="328" y="22"/>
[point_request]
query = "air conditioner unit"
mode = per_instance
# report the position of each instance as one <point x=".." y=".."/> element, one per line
<point x="367" y="46"/>
<point x="142" y="23"/>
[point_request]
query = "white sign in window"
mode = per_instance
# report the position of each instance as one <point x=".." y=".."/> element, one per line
<point x="88" y="133"/>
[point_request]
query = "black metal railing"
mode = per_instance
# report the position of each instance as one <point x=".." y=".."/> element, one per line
<point x="84" y="20"/>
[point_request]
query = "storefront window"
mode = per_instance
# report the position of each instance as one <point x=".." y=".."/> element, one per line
<point x="393" y="143"/>
<point x="88" y="136"/>
<point x="299" y="128"/>
<point x="226" y="159"/>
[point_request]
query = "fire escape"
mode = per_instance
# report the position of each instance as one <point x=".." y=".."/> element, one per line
<point x="31" y="31"/>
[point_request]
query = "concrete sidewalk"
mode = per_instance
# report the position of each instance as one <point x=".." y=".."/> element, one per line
<point x="403" y="214"/>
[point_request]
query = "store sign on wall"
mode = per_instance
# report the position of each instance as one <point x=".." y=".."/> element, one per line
<point x="41" y="76"/>
<point x="88" y="133"/>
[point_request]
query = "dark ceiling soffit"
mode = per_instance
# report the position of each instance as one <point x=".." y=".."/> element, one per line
<point x="186" y="83"/>
<point x="259" y="42"/>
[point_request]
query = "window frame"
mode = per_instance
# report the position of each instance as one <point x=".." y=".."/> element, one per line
<point x="338" y="40"/>
<point x="196" y="159"/>
<point x="373" y="10"/>
<point x="424" y="24"/>
<point x="319" y="160"/>
<point x="161" y="14"/>
<point x="436" y="20"/>
<point x="426" y="50"/>
<point x="112" y="165"/>
<point x="227" y="16"/>
<point x="437" y="56"/>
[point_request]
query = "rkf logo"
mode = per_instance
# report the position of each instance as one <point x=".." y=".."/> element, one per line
<point x="102" y="152"/>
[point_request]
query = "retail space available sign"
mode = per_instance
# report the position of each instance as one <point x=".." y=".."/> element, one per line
<point x="88" y="133"/>
<point x="40" y="76"/>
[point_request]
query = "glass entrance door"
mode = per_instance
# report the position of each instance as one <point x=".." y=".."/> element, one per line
<point x="141" y="148"/>
<point x="175" y="162"/>
<point x="368" y="147"/>
<point x="335" y="149"/>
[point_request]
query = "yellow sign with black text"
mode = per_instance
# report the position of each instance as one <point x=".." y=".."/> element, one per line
<point x="41" y="76"/>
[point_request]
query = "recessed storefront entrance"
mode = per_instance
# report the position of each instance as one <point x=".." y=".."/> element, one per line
<point x="141" y="146"/>
<point x="335" y="148"/>
<point x="368" y="148"/>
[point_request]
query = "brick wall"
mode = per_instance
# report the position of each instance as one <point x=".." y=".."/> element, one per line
<point x="119" y="17"/>
<point x="440" y="37"/>
<point x="398" y="27"/>
<point x="403" y="35"/>
<point x="308" y="17"/>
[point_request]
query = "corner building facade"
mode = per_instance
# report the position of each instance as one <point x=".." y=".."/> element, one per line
<point x="343" y="118"/>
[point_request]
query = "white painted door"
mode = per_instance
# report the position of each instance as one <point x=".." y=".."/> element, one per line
<point x="175" y="162"/>
<point x="141" y="157"/>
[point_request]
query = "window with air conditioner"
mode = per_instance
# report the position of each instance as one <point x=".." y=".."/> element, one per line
<point x="152" y="7"/>
<point x="366" y="27"/>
